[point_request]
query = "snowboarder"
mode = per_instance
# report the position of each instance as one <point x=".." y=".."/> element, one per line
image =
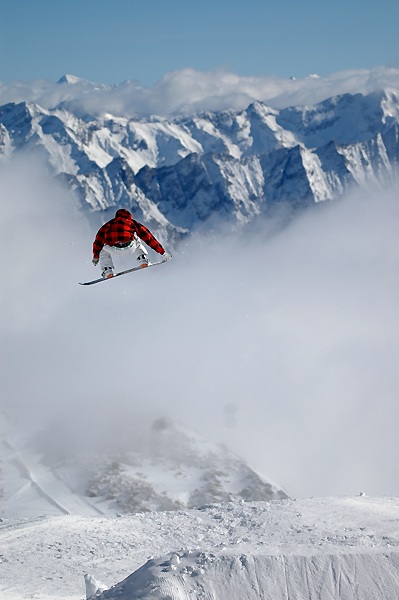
<point x="123" y="234"/>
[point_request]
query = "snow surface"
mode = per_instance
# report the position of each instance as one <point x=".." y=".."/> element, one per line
<point x="319" y="549"/>
<point x="30" y="488"/>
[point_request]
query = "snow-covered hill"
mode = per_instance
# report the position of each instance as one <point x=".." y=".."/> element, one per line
<point x="319" y="549"/>
<point x="157" y="467"/>
<point x="179" y="171"/>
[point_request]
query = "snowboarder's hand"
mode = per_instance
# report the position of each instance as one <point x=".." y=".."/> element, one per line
<point x="166" y="256"/>
<point x="95" y="261"/>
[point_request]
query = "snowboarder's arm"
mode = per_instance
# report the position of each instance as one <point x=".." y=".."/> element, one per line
<point x="147" y="237"/>
<point x="98" y="243"/>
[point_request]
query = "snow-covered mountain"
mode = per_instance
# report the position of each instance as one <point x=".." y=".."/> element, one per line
<point x="177" y="172"/>
<point x="157" y="467"/>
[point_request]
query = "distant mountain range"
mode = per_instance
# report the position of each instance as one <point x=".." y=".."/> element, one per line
<point x="177" y="172"/>
<point x="157" y="466"/>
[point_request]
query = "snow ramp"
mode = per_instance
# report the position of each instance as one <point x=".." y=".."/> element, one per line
<point x="310" y="549"/>
<point x="199" y="575"/>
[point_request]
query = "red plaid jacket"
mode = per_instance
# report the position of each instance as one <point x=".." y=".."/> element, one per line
<point x="122" y="229"/>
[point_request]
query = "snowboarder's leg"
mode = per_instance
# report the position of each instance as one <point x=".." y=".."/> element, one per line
<point x="139" y="252"/>
<point x="106" y="262"/>
<point x="141" y="256"/>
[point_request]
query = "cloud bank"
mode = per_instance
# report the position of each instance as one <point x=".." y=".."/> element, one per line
<point x="282" y="342"/>
<point x="190" y="91"/>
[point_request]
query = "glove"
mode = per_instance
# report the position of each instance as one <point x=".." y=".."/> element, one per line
<point x="166" y="256"/>
<point x="95" y="261"/>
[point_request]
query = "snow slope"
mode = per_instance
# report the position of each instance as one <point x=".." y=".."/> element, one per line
<point x="318" y="549"/>
<point x="31" y="488"/>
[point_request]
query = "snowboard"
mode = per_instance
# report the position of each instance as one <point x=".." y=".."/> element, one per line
<point x="140" y="268"/>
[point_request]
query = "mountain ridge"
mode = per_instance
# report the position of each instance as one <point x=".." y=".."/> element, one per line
<point x="177" y="172"/>
<point x="158" y="465"/>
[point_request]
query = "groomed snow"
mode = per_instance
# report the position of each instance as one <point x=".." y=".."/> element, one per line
<point x="318" y="549"/>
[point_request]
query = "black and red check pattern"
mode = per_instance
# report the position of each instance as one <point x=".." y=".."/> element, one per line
<point x="122" y="229"/>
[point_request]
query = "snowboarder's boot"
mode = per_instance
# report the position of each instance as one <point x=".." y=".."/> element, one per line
<point x="142" y="260"/>
<point x="107" y="273"/>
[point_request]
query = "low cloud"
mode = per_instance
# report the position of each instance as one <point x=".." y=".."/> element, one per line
<point x="281" y="342"/>
<point x="190" y="91"/>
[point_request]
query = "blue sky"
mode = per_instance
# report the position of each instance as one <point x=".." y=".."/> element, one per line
<point x="111" y="41"/>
